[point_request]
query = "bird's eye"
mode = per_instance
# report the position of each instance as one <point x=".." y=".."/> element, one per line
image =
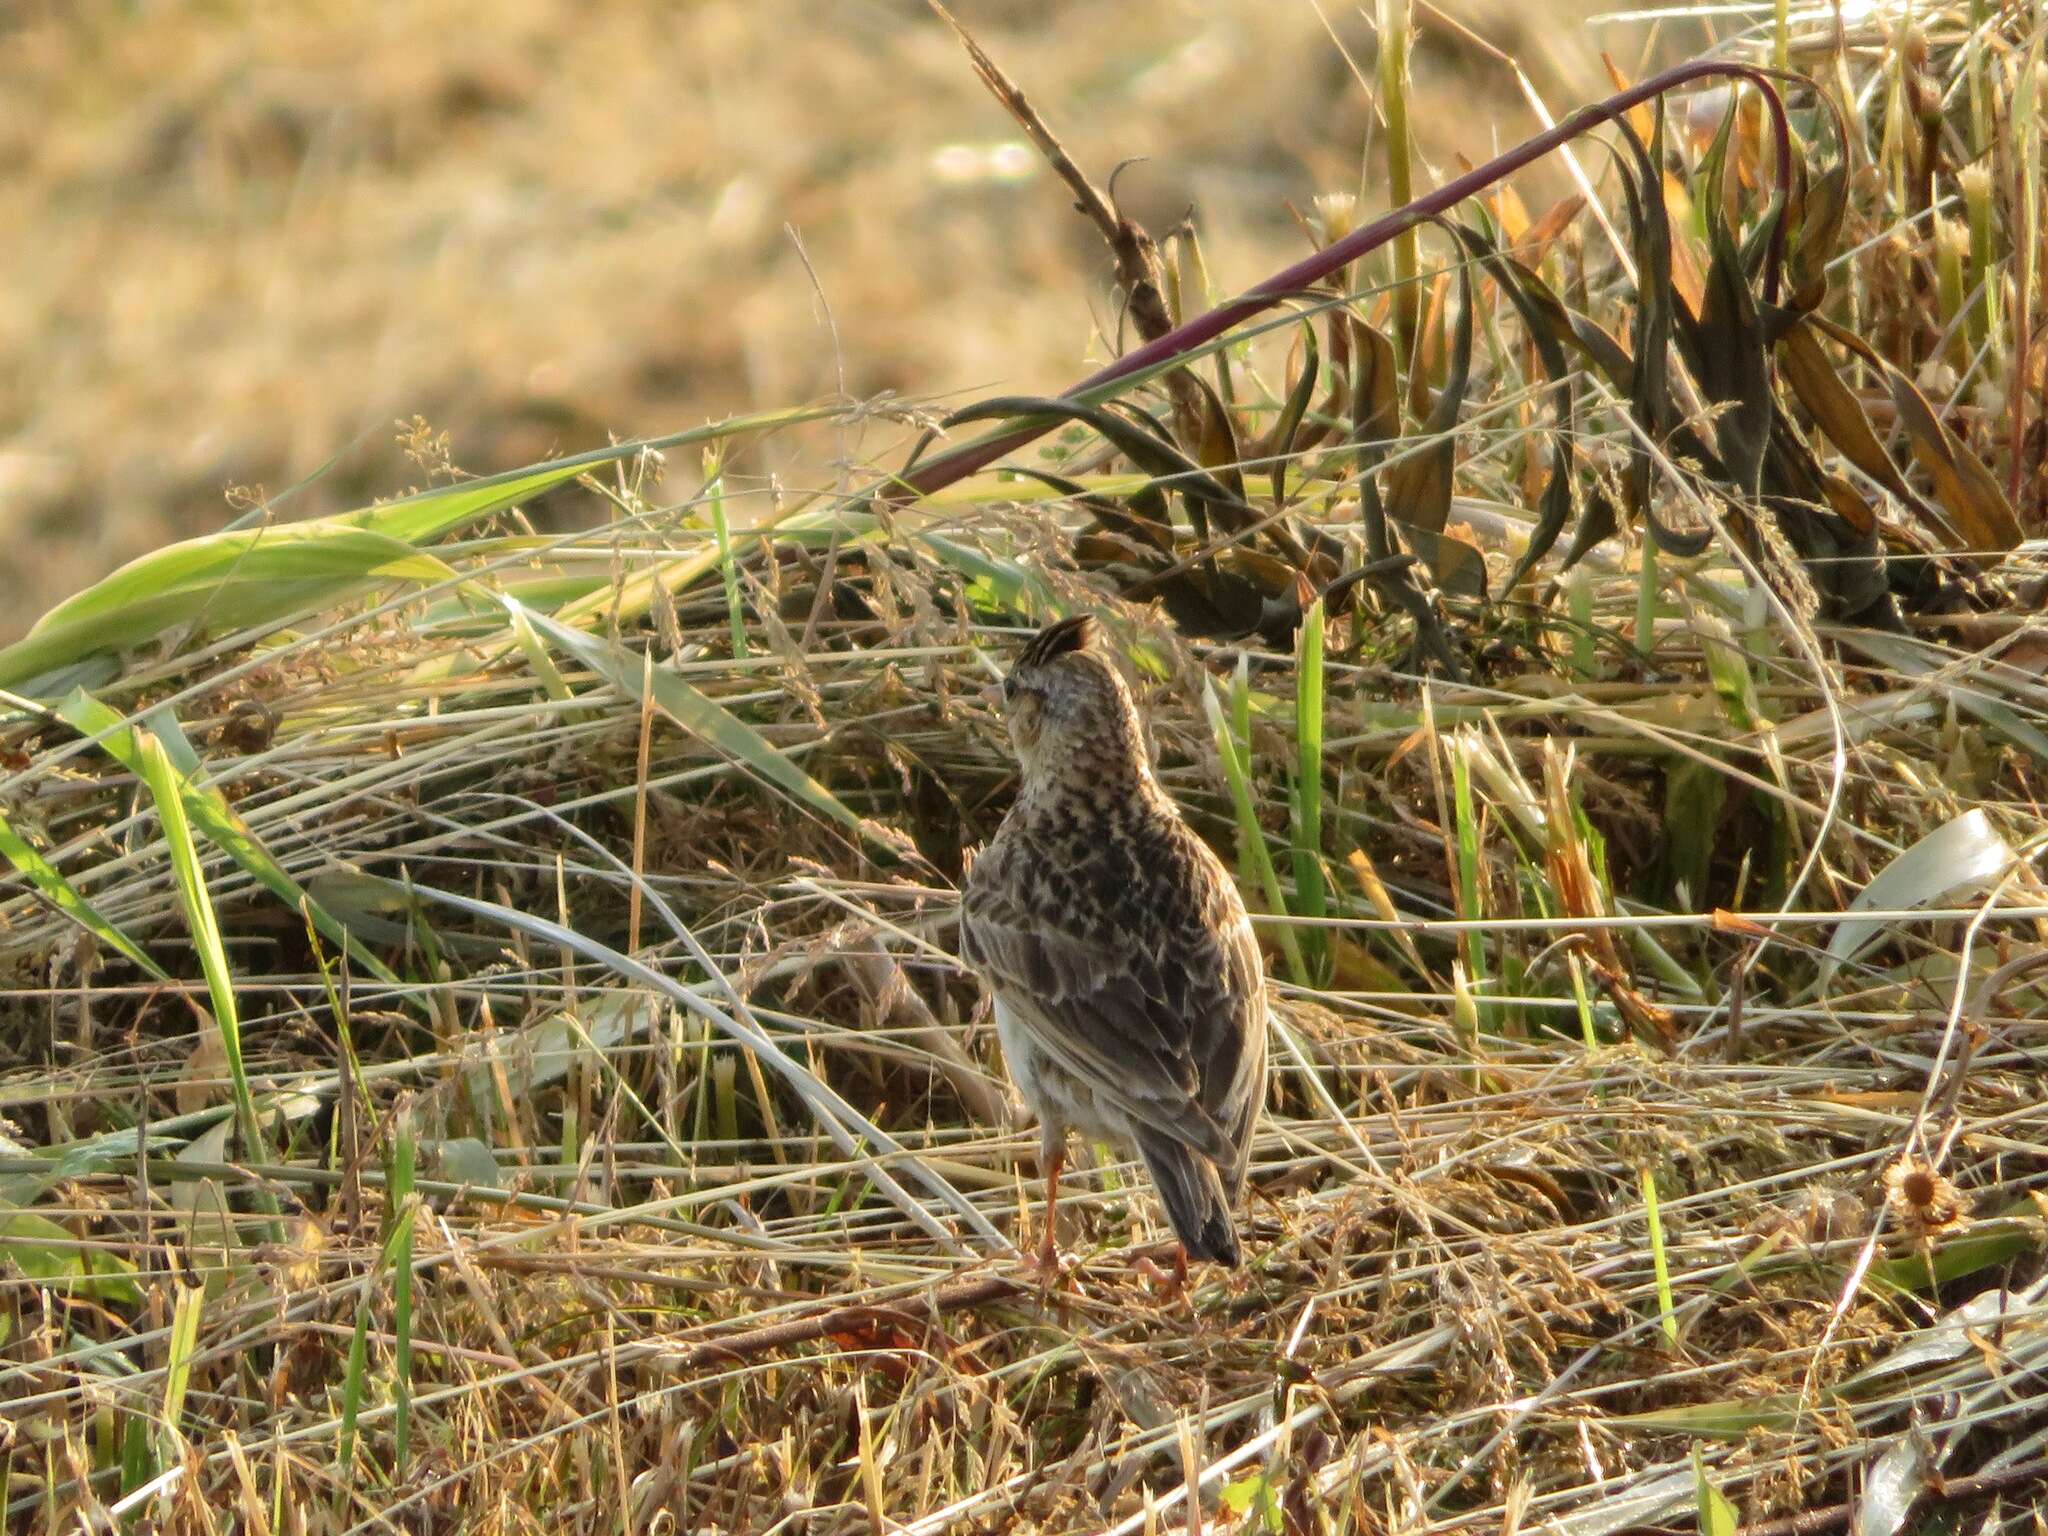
<point x="1009" y="687"/>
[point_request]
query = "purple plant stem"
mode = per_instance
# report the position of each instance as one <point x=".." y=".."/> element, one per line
<point x="947" y="469"/>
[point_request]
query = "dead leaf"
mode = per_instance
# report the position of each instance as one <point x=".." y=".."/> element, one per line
<point x="1556" y="219"/>
<point x="206" y="1070"/>
<point x="1836" y="410"/>
<point x="1963" y="486"/>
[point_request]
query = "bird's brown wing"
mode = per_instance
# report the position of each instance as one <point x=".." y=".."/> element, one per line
<point x="1151" y="995"/>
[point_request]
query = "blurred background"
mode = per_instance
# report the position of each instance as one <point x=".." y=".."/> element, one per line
<point x="250" y="238"/>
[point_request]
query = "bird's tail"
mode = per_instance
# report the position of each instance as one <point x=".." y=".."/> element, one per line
<point x="1192" y="1192"/>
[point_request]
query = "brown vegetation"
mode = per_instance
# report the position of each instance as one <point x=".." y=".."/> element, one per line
<point x="482" y="1048"/>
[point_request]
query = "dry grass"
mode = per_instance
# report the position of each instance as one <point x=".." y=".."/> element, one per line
<point x="644" y="1160"/>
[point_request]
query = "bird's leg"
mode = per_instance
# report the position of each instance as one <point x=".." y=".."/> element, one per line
<point x="1053" y="1153"/>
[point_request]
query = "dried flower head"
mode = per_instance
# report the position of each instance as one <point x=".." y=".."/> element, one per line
<point x="1938" y="379"/>
<point x="1817" y="1215"/>
<point x="1337" y="213"/>
<point x="1921" y="1197"/>
<point x="1953" y="237"/>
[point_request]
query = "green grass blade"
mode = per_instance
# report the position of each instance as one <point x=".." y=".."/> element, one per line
<point x="208" y="810"/>
<point x="1717" y="1515"/>
<point x="728" y="572"/>
<point x="1470" y="902"/>
<point x="138" y="1463"/>
<point x="1394" y="22"/>
<point x="352" y="1386"/>
<point x="61" y="894"/>
<point x="1647" y="581"/>
<point x="996" y="583"/>
<point x="1241" y="741"/>
<point x="242" y="577"/>
<point x="1250" y="833"/>
<point x="162" y="780"/>
<point x="356" y="1374"/>
<point x="699" y="714"/>
<point x="431" y="513"/>
<point x="399" y="1193"/>
<point x="1582" y="1002"/>
<point x="1725" y="1418"/>
<point x="1311" y="891"/>
<point x="1667" y="1319"/>
<point x="48" y="1254"/>
<point x="222" y="581"/>
<point x="537" y="657"/>
<point x="184" y="1341"/>
<point x="1578" y="589"/>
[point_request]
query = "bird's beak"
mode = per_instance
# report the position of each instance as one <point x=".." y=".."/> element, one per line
<point x="992" y="696"/>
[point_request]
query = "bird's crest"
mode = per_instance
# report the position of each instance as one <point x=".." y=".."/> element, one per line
<point x="1057" y="639"/>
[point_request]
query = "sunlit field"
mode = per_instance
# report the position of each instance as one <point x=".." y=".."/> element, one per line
<point x="252" y="239"/>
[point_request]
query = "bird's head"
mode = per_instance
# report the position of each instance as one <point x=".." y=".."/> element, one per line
<point x="1068" y="709"/>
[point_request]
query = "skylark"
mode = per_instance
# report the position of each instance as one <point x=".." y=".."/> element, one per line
<point x="1128" y="990"/>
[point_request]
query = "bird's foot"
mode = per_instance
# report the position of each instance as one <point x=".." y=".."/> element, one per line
<point x="1049" y="1270"/>
<point x="1167" y="1285"/>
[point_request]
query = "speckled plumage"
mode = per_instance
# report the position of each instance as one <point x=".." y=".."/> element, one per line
<point x="1128" y="989"/>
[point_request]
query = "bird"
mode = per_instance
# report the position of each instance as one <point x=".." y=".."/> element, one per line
<point x="1128" y="990"/>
